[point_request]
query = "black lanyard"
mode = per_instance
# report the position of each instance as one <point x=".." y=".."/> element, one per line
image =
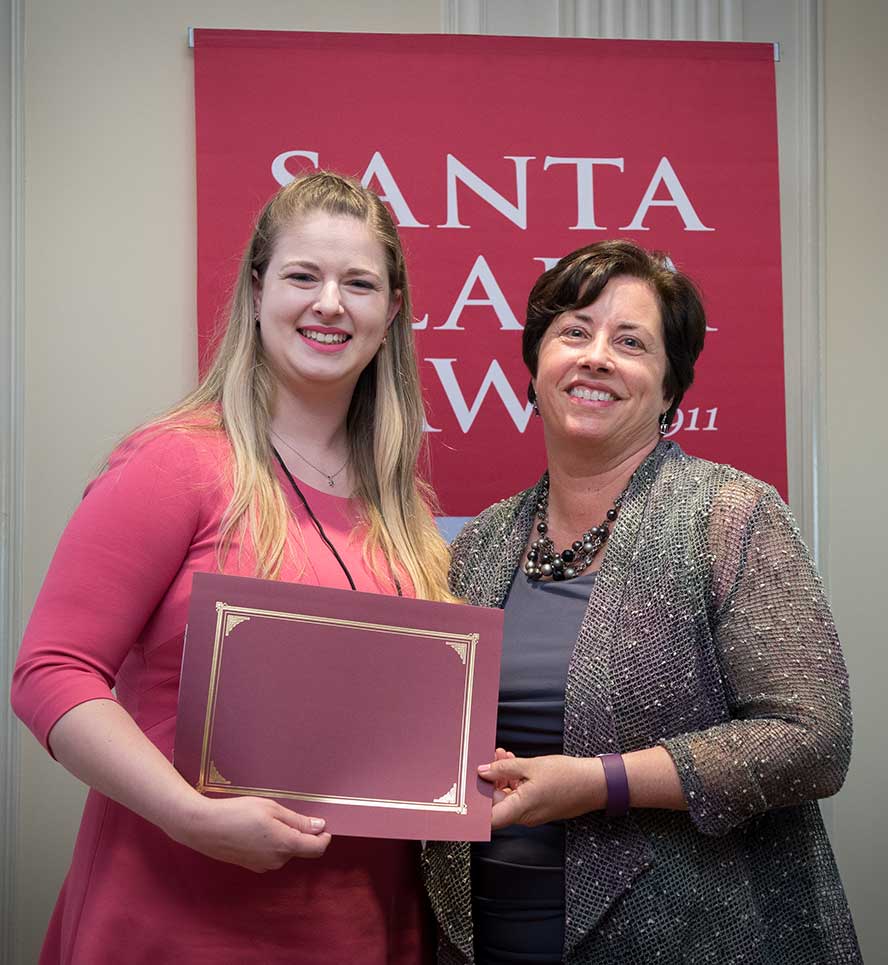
<point x="319" y="528"/>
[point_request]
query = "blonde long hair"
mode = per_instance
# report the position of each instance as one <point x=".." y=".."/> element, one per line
<point x="384" y="422"/>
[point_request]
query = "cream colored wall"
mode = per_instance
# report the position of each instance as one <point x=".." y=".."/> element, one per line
<point x="856" y="354"/>
<point x="110" y="313"/>
<point x="110" y="283"/>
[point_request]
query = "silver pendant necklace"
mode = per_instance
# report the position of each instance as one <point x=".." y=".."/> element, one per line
<point x="329" y="476"/>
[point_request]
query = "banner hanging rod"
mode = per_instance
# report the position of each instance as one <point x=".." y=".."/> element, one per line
<point x="776" y="44"/>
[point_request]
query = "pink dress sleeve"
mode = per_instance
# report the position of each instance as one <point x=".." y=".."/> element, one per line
<point x="118" y="555"/>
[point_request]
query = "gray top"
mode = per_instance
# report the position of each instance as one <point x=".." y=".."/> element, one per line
<point x="518" y="878"/>
<point x="540" y="627"/>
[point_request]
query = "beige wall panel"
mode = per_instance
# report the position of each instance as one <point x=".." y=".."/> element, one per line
<point x="110" y="289"/>
<point x="110" y="283"/>
<point x="856" y="350"/>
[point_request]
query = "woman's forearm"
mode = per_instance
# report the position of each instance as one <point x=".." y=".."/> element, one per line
<point x="534" y="790"/>
<point x="653" y="780"/>
<point x="100" y="743"/>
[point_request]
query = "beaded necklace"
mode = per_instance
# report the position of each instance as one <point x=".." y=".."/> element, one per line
<point x="544" y="562"/>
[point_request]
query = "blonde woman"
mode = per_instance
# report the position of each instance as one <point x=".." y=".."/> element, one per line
<point x="294" y="459"/>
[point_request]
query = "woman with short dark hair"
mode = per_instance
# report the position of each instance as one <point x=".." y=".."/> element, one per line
<point x="580" y="277"/>
<point x="673" y="698"/>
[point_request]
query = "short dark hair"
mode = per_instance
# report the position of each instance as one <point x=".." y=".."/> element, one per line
<point x="579" y="278"/>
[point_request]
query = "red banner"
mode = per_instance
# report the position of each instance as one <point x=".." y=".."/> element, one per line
<point x="498" y="155"/>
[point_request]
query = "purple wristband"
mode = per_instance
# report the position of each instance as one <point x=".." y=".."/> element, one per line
<point x="617" y="785"/>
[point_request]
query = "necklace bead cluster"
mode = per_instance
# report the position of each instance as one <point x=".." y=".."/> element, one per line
<point x="544" y="562"/>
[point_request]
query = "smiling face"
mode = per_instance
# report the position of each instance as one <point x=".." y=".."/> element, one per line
<point x="601" y="368"/>
<point x="324" y="304"/>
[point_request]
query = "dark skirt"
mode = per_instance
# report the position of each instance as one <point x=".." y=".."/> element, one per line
<point x="518" y="897"/>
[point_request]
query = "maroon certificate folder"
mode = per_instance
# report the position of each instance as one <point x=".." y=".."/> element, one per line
<point x="370" y="711"/>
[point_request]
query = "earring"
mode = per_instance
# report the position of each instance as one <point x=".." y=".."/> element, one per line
<point x="384" y="339"/>
<point x="256" y="317"/>
<point x="532" y="398"/>
<point x="664" y="423"/>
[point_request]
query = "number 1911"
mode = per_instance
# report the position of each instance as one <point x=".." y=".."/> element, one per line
<point x="689" y="422"/>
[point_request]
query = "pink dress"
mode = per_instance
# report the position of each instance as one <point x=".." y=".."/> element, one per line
<point x="111" y="613"/>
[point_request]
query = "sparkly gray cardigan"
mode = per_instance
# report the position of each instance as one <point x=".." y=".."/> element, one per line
<point x="708" y="632"/>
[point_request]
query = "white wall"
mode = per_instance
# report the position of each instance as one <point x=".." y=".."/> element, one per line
<point x="856" y="354"/>
<point x="109" y="316"/>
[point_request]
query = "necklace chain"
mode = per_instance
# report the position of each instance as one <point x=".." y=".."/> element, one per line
<point x="329" y="476"/>
<point x="545" y="563"/>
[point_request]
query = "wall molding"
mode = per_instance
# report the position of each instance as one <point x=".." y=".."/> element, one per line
<point x="11" y="442"/>
<point x="463" y="17"/>
<point x="811" y="275"/>
<point x="652" y="19"/>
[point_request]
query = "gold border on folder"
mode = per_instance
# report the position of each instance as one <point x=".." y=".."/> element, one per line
<point x="229" y="617"/>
